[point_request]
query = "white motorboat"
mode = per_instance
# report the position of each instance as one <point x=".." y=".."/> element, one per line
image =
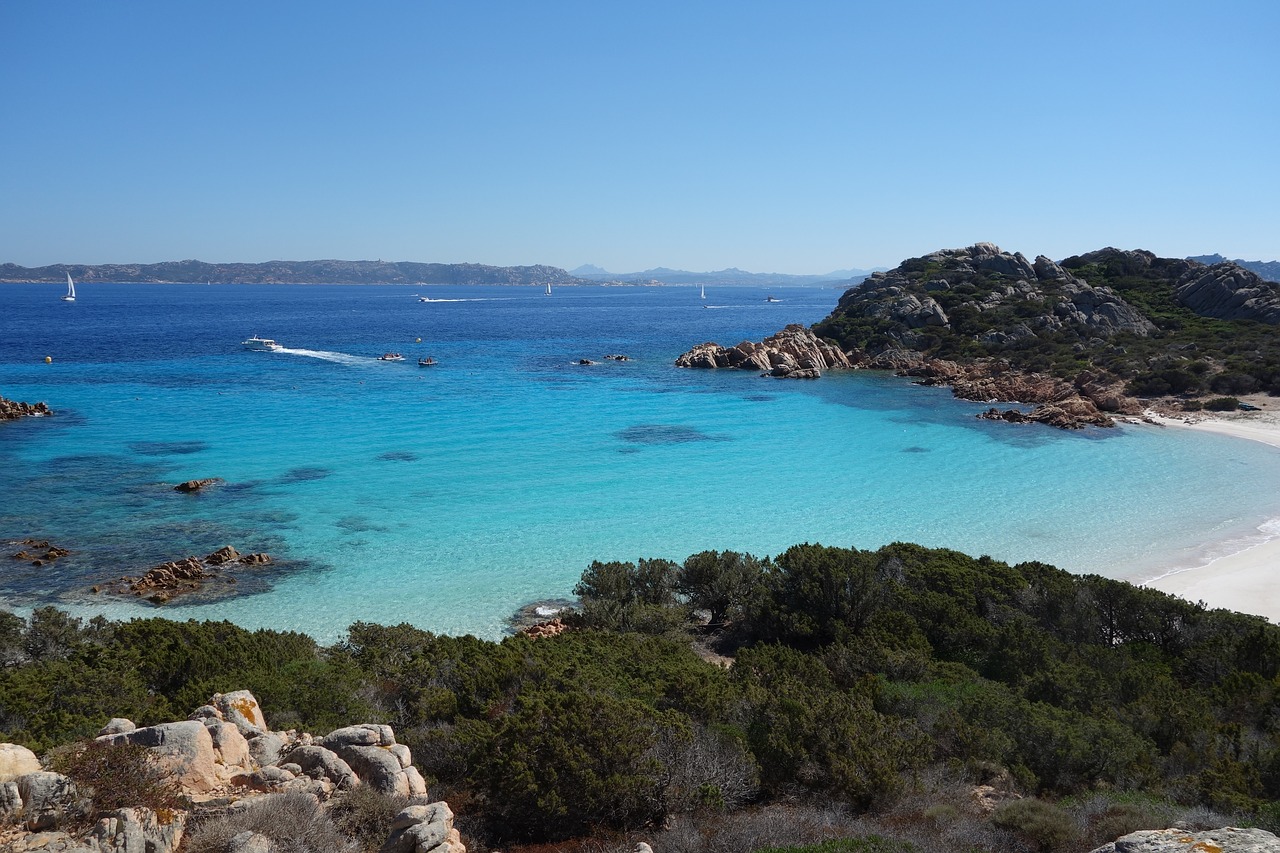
<point x="261" y="344"/>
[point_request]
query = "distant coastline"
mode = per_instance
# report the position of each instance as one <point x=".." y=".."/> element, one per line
<point x="291" y="272"/>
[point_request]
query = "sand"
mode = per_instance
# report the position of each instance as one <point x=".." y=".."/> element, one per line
<point x="1247" y="581"/>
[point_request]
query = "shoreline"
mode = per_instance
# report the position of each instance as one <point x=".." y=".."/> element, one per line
<point x="1248" y="580"/>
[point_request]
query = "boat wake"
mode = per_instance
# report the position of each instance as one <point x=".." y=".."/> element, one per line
<point x="337" y="357"/>
<point x="477" y="299"/>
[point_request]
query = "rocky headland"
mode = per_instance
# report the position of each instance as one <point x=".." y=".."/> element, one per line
<point x="219" y="765"/>
<point x="1079" y="341"/>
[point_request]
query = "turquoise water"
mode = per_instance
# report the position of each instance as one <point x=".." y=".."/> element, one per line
<point x="447" y="497"/>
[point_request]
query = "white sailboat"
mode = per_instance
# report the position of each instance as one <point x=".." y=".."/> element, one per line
<point x="71" y="290"/>
<point x="704" y="291"/>
<point x="548" y="293"/>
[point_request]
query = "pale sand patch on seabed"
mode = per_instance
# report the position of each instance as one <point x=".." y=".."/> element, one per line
<point x="1247" y="581"/>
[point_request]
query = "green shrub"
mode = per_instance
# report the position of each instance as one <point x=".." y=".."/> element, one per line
<point x="1044" y="824"/>
<point x="1222" y="404"/>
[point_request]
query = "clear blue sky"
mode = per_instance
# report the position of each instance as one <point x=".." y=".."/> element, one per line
<point x="791" y="137"/>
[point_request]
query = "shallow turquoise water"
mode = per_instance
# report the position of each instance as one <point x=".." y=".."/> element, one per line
<point x="449" y="496"/>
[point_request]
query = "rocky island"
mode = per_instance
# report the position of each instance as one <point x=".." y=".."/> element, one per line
<point x="1080" y="340"/>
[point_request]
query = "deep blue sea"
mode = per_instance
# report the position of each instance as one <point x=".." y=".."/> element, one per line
<point x="449" y="496"/>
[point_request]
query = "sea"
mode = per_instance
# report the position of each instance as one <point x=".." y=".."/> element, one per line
<point x="448" y="497"/>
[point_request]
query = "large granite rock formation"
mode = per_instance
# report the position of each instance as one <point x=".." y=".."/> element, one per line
<point x="1230" y="292"/>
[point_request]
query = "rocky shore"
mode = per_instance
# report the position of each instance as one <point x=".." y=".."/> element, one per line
<point x="11" y="410"/>
<point x="793" y="353"/>
<point x="161" y="584"/>
<point x="221" y="762"/>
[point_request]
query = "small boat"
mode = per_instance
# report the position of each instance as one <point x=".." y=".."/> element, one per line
<point x="426" y="362"/>
<point x="548" y="293"/>
<point x="771" y="299"/>
<point x="262" y="344"/>
<point x="704" y="291"/>
<point x="71" y="290"/>
<point x="391" y="356"/>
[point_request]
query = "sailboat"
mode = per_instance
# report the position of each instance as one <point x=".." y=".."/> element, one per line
<point x="548" y="293"/>
<point x="704" y="291"/>
<point x="71" y="290"/>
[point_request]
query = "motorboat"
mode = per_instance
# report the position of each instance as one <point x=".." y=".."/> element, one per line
<point x="771" y="299"/>
<point x="261" y="344"/>
<point x="391" y="356"/>
<point x="426" y="362"/>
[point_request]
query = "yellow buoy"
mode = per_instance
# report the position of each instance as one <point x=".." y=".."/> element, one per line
<point x="48" y="359"/>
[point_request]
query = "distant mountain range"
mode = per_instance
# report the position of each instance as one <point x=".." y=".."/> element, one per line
<point x="664" y="275"/>
<point x="1267" y="270"/>
<point x="293" y="272"/>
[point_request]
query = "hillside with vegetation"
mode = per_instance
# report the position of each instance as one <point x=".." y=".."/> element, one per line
<point x="291" y="272"/>
<point x="919" y="699"/>
<point x="1154" y="327"/>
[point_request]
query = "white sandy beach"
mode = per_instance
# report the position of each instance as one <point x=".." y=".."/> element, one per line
<point x="1247" y="581"/>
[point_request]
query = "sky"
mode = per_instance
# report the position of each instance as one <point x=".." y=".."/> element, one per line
<point x="798" y="137"/>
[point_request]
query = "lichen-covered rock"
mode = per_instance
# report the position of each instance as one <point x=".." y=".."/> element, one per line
<point x="1225" y="840"/>
<point x="241" y="708"/>
<point x="16" y="760"/>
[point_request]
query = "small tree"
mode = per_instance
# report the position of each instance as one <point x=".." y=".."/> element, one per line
<point x="720" y="583"/>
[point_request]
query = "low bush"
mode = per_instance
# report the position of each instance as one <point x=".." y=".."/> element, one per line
<point x="1044" y="824"/>
<point x="294" y="823"/>
<point x="114" y="776"/>
<point x="1222" y="404"/>
<point x="365" y="815"/>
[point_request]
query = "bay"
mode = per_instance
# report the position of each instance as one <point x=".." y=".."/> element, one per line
<point x="449" y="496"/>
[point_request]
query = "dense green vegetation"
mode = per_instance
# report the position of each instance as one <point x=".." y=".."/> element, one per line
<point x="1187" y="355"/>
<point x="856" y="675"/>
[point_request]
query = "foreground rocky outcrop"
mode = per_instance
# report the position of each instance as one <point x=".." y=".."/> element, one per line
<point x="793" y="353"/>
<point x="225" y="753"/>
<point x="160" y="584"/>
<point x="1225" y="840"/>
<point x="11" y="410"/>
